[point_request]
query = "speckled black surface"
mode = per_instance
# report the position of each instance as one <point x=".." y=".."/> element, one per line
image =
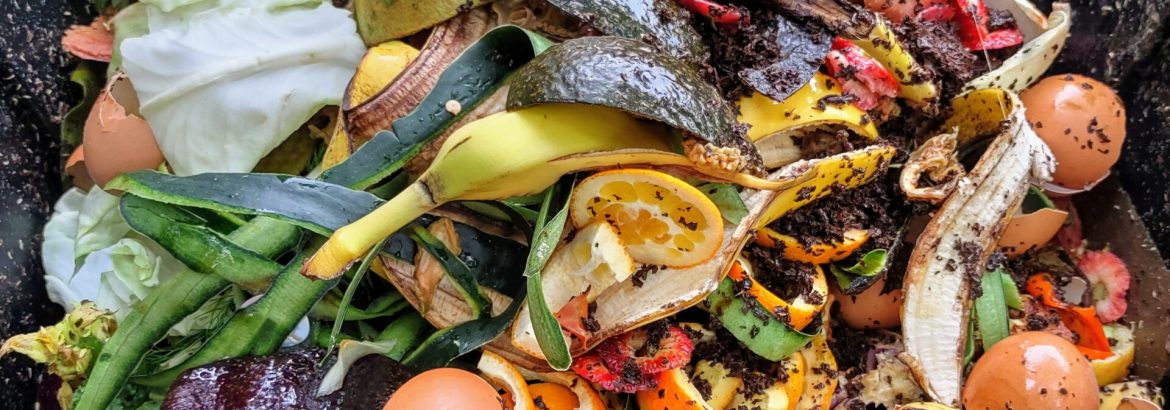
<point x="32" y="98"/>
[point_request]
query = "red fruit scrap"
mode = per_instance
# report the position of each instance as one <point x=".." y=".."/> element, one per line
<point x="592" y="368"/>
<point x="1109" y="280"/>
<point x="974" y="22"/>
<point x="860" y="75"/>
<point x="897" y="11"/>
<point x="937" y="13"/>
<point x="672" y="349"/>
<point x="718" y="13"/>
<point x="572" y="317"/>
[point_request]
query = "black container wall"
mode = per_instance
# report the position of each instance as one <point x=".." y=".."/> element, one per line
<point x="1122" y="42"/>
<point x="32" y="97"/>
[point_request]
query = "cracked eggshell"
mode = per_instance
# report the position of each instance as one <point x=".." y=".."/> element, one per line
<point x="75" y="168"/>
<point x="1030" y="231"/>
<point x="116" y="137"/>
<point x="1083" y="122"/>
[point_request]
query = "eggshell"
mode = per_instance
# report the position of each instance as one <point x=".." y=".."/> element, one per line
<point x="116" y="138"/>
<point x="870" y="309"/>
<point x="1031" y="370"/>
<point x="1083" y="121"/>
<point x="445" y="389"/>
<point x="75" y="168"/>
<point x="1029" y="231"/>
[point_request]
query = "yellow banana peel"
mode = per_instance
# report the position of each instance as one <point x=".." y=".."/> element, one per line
<point x="825" y="176"/>
<point x="380" y="66"/>
<point x="881" y="44"/>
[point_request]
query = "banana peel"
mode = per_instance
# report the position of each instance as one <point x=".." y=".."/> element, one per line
<point x="399" y="97"/>
<point x="881" y="44"/>
<point x="775" y="124"/>
<point x="957" y="242"/>
<point x="379" y="21"/>
<point x="377" y="69"/>
<point x="670" y="290"/>
<point x="1044" y="40"/>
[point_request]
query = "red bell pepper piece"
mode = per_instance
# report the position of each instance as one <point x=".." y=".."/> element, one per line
<point x="1082" y="321"/>
<point x="860" y="75"/>
<point x="974" y="22"/>
<point x="718" y="13"/>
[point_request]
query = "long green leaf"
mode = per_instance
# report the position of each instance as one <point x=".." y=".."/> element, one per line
<point x="544" y="323"/>
<point x="197" y="246"/>
<point x="405" y="331"/>
<point x="258" y="329"/>
<point x="476" y="74"/>
<point x="458" y="271"/>
<point x="358" y="274"/>
<point x="318" y="206"/>
<point x="991" y="310"/>
<point x="447" y="344"/>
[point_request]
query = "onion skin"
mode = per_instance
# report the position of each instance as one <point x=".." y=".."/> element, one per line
<point x="957" y="242"/>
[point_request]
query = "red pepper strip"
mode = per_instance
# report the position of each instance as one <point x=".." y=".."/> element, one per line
<point x="937" y="13"/>
<point x="974" y="22"/>
<point x="1004" y="38"/>
<point x="718" y="13"/>
<point x="1080" y="320"/>
<point x="572" y="317"/>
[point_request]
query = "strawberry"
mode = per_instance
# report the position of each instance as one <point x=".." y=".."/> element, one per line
<point x="592" y="368"/>
<point x="673" y="350"/>
<point x="898" y="10"/>
<point x="1109" y="279"/>
<point x="860" y="75"/>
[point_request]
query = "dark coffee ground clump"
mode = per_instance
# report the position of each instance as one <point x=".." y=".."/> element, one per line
<point x="876" y="206"/>
<point x="757" y="373"/>
<point x="940" y="53"/>
<point x="786" y="279"/>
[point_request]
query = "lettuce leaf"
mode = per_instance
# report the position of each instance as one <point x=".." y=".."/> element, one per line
<point x="224" y="82"/>
<point x="118" y="267"/>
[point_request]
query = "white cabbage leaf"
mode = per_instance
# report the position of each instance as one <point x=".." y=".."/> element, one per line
<point x="223" y="82"/>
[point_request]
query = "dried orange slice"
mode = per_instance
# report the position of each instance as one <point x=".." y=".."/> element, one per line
<point x="798" y="313"/>
<point x="661" y="219"/>
<point x="501" y="374"/>
<point x="674" y="392"/>
<point x="818" y="253"/>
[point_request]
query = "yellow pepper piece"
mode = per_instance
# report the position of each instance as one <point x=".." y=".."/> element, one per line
<point x="772" y="121"/>
<point x="881" y="44"/>
<point x="848" y="170"/>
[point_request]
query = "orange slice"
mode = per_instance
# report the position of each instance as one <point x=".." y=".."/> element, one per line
<point x="500" y="373"/>
<point x="801" y="311"/>
<point x="587" y="397"/>
<point x="674" y="392"/>
<point x="819" y="253"/>
<point x="661" y="219"/>
<point x="553" y="396"/>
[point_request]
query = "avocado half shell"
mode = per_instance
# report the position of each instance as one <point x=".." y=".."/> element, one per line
<point x="634" y="77"/>
<point x="661" y="23"/>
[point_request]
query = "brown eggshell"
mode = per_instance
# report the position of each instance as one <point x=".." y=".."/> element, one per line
<point x="1083" y="121"/>
<point x="870" y="309"/>
<point x="445" y="389"/>
<point x="1031" y="370"/>
<point x="1029" y="231"/>
<point x="116" y="138"/>
<point x="75" y="168"/>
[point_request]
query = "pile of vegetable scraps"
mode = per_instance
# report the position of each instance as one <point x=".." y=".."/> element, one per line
<point x="583" y="204"/>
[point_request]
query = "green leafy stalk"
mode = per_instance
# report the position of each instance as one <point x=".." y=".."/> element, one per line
<point x="73" y="123"/>
<point x="544" y="323"/>
<point x="347" y="299"/>
<point x="1011" y="292"/>
<point x="871" y="264"/>
<point x="258" y="329"/>
<point x="991" y="309"/>
<point x="405" y="331"/>
<point x="446" y="344"/>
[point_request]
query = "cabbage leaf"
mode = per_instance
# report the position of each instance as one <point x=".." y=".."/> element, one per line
<point x="223" y="82"/>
